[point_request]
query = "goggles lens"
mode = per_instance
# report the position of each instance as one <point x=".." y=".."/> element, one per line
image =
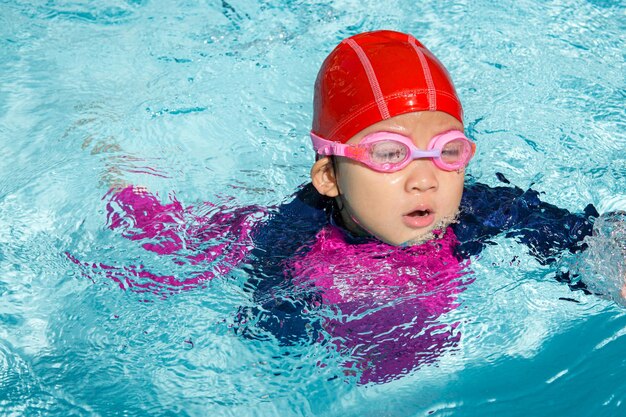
<point x="388" y="152"/>
<point x="454" y="151"/>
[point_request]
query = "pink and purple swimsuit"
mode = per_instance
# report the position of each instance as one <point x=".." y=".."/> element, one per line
<point x="386" y="303"/>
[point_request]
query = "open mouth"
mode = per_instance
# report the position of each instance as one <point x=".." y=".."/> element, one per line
<point x="419" y="213"/>
<point x="419" y="218"/>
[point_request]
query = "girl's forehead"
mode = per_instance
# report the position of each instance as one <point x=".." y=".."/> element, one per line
<point x="419" y="126"/>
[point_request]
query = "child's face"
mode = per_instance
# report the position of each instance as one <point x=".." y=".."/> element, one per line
<point x="404" y="206"/>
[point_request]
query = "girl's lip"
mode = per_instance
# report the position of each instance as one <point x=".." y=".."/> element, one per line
<point x="422" y="216"/>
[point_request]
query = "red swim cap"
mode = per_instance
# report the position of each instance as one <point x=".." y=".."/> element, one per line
<point x="377" y="75"/>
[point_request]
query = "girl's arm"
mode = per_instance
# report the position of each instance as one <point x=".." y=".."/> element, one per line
<point x="548" y="231"/>
<point x="200" y="243"/>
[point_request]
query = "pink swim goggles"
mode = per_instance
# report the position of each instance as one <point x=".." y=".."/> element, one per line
<point x="390" y="152"/>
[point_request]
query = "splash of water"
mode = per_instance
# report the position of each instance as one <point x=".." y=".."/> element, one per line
<point x="602" y="266"/>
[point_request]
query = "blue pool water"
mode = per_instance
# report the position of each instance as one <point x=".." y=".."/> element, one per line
<point x="210" y="100"/>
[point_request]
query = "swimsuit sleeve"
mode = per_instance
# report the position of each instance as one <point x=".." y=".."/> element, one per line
<point x="546" y="229"/>
<point x="170" y="228"/>
<point x="200" y="242"/>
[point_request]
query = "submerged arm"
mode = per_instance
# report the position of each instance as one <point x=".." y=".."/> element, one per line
<point x="199" y="243"/>
<point x="546" y="229"/>
<point x="599" y="241"/>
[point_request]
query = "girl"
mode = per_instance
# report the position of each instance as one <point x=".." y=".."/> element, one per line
<point x="382" y="236"/>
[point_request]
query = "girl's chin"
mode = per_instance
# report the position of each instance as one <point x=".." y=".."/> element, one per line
<point x="436" y="231"/>
<point x="412" y="238"/>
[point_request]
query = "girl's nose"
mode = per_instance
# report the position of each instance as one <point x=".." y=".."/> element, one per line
<point x="421" y="176"/>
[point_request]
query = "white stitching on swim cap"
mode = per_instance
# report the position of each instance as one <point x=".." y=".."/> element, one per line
<point x="371" y="77"/>
<point x="432" y="93"/>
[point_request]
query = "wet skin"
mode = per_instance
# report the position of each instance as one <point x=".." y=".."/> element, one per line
<point x="400" y="207"/>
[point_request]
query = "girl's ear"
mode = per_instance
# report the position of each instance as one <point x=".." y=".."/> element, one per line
<point x="323" y="177"/>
